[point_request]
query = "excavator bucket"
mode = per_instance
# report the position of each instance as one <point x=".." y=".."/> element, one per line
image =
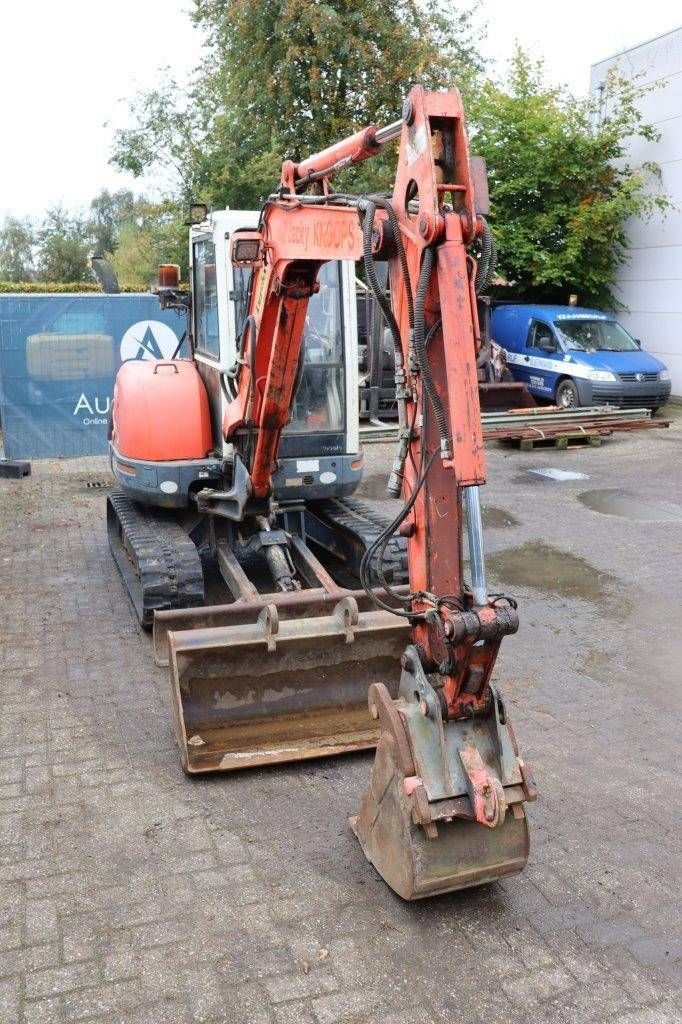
<point x="444" y="809"/>
<point x="280" y="688"/>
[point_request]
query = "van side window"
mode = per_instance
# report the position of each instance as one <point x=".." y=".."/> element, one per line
<point x="540" y="336"/>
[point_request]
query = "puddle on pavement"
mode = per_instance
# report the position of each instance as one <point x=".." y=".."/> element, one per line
<point x="544" y="568"/>
<point x="614" y="502"/>
<point x="558" y="475"/>
<point x="649" y="663"/>
<point x="655" y="676"/>
<point x="497" y="518"/>
<point x="494" y="518"/>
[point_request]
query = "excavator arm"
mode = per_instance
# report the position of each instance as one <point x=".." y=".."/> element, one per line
<point x="424" y="231"/>
<point x="447" y="758"/>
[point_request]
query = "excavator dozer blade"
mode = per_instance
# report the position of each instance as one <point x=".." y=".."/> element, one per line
<point x="445" y="805"/>
<point x="274" y="691"/>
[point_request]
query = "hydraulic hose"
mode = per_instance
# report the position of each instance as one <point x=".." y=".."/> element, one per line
<point x="487" y="261"/>
<point x="420" y="352"/>
<point x="379" y="545"/>
<point x="368" y="210"/>
<point x="385" y="204"/>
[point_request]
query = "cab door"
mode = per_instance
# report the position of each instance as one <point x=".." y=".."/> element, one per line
<point x="539" y="363"/>
<point x="206" y="341"/>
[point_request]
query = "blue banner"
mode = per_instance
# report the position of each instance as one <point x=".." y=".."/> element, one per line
<point x="58" y="358"/>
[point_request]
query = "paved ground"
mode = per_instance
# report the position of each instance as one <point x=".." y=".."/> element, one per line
<point x="132" y="894"/>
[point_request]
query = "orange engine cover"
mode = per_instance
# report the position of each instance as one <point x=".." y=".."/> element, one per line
<point x="160" y="411"/>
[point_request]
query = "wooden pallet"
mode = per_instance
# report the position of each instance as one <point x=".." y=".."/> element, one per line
<point x="560" y="442"/>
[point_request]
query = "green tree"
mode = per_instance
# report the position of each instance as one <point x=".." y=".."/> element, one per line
<point x="17" y="240"/>
<point x="561" y="185"/>
<point x="63" y="247"/>
<point x="153" y="234"/>
<point x="108" y="210"/>
<point x="171" y="125"/>
<point x="281" y="79"/>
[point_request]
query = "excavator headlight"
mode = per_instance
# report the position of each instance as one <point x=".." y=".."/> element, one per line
<point x="198" y="213"/>
<point x="246" y="251"/>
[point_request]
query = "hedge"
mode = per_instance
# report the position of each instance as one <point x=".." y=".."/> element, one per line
<point x="27" y="287"/>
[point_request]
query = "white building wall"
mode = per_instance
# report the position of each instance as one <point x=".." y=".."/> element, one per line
<point x="650" y="284"/>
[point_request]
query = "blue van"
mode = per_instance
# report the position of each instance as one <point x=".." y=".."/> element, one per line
<point x="575" y="356"/>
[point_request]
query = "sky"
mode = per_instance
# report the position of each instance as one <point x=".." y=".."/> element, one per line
<point x="67" y="69"/>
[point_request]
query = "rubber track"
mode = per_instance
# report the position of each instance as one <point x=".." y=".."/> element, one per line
<point x="364" y="523"/>
<point x="158" y="561"/>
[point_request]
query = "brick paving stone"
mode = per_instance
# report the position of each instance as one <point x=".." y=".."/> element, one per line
<point x="44" y="1011"/>
<point x="56" y="980"/>
<point x="10" y="999"/>
<point x="294" y="1013"/>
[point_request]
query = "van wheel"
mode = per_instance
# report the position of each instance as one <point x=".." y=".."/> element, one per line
<point x="567" y="395"/>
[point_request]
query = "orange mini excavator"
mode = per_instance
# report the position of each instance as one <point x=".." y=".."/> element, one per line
<point x="312" y="666"/>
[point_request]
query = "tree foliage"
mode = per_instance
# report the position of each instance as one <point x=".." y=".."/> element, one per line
<point x="561" y="186"/>
<point x="150" y="234"/>
<point x="108" y="210"/>
<point x="171" y="127"/>
<point x="17" y="239"/>
<point x="134" y="233"/>
<point x="63" y="247"/>
<point x="281" y="79"/>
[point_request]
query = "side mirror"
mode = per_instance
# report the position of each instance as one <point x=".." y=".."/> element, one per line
<point x="637" y="342"/>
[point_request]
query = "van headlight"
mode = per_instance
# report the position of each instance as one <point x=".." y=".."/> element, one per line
<point x="603" y="375"/>
<point x="664" y="375"/>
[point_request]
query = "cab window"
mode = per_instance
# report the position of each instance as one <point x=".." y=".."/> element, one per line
<point x="241" y="282"/>
<point x="542" y="337"/>
<point x="320" y="401"/>
<point x="205" y="298"/>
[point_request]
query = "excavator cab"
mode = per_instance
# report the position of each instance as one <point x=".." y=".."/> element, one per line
<point x="323" y="427"/>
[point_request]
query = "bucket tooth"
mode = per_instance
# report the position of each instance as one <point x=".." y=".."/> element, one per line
<point x="444" y="808"/>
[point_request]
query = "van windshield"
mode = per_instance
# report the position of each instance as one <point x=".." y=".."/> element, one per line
<point x="595" y="336"/>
